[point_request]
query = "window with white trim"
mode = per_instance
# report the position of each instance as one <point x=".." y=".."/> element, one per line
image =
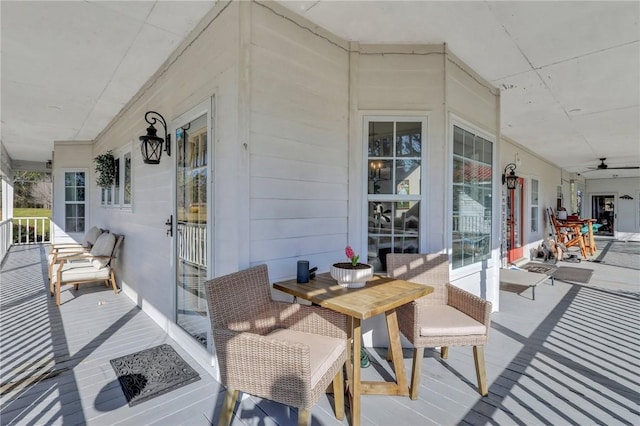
<point x="472" y="203"/>
<point x="535" y="209"/>
<point x="126" y="179"/>
<point x="74" y="201"/>
<point x="394" y="159"/>
<point x="119" y="194"/>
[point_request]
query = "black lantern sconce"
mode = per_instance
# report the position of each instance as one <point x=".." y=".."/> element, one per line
<point x="511" y="179"/>
<point x="151" y="145"/>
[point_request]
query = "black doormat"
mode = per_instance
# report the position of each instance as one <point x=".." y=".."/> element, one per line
<point x="152" y="372"/>
<point x="539" y="268"/>
<point x="576" y="275"/>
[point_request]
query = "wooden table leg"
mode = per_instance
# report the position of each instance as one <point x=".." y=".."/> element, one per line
<point x="583" y="247"/>
<point x="592" y="240"/>
<point x="396" y="352"/>
<point x="355" y="392"/>
<point x="349" y="363"/>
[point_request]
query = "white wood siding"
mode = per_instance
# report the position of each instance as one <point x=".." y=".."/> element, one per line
<point x="299" y="150"/>
<point x="470" y="97"/>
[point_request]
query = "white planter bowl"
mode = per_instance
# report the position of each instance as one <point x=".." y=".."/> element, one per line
<point x="351" y="278"/>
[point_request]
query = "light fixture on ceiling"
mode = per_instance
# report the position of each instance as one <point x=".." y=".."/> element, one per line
<point x="510" y="179"/>
<point x="151" y="143"/>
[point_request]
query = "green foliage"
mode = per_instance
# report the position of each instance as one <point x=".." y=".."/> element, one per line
<point x="106" y="169"/>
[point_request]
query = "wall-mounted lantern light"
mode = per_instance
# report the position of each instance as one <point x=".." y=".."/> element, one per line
<point x="151" y="145"/>
<point x="510" y="179"/>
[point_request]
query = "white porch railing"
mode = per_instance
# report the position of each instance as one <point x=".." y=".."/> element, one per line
<point x="24" y="230"/>
<point x="5" y="237"/>
<point x="31" y="230"/>
<point x="192" y="243"/>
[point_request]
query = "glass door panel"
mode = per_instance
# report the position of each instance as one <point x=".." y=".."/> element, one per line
<point x="192" y="145"/>
<point x="514" y="222"/>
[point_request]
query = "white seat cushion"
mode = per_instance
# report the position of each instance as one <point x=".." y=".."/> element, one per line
<point x="323" y="350"/>
<point x="445" y="320"/>
<point x="81" y="270"/>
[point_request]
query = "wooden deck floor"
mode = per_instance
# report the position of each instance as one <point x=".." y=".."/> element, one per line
<point x="569" y="357"/>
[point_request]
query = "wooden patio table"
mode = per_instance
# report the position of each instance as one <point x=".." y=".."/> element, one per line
<point x="380" y="295"/>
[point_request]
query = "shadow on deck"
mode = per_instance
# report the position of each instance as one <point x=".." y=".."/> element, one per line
<point x="569" y="357"/>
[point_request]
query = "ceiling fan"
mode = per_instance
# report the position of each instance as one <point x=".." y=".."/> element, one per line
<point x="604" y="166"/>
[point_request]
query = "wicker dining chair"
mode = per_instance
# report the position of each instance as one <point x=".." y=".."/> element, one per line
<point x="447" y="317"/>
<point x="288" y="353"/>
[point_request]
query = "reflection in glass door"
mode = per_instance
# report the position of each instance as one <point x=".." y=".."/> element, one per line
<point x="514" y="222"/>
<point x="192" y="145"/>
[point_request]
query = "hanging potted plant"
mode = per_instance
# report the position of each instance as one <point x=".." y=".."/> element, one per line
<point x="106" y="169"/>
<point x="351" y="274"/>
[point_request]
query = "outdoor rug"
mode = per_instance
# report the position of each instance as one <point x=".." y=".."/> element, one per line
<point x="152" y="372"/>
<point x="576" y="275"/>
<point x="539" y="268"/>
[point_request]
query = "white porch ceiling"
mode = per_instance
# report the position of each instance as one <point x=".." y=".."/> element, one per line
<point x="569" y="71"/>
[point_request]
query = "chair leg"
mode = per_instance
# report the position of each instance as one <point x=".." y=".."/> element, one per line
<point x="338" y="394"/>
<point x="58" y="292"/>
<point x="230" y="398"/>
<point x="481" y="373"/>
<point x="112" y="278"/>
<point x="444" y="352"/>
<point x="389" y="354"/>
<point x="304" y="416"/>
<point x="416" y="371"/>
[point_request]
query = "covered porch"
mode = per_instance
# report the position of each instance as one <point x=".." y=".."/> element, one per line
<point x="569" y="357"/>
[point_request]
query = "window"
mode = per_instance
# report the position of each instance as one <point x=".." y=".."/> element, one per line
<point x="472" y="197"/>
<point x="127" y="180"/>
<point x="116" y="182"/>
<point x="74" y="199"/>
<point x="535" y="215"/>
<point x="119" y="194"/>
<point x="394" y="186"/>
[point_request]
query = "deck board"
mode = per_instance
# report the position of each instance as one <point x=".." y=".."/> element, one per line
<point x="569" y="357"/>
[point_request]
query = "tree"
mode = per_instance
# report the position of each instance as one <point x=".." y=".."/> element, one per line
<point x="41" y="194"/>
<point x="24" y="182"/>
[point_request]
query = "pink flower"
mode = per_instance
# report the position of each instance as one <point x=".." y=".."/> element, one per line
<point x="351" y="255"/>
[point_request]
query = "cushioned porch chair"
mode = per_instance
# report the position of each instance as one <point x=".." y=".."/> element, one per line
<point x="288" y="353"/>
<point x="449" y="316"/>
<point x="60" y="250"/>
<point x="87" y="267"/>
